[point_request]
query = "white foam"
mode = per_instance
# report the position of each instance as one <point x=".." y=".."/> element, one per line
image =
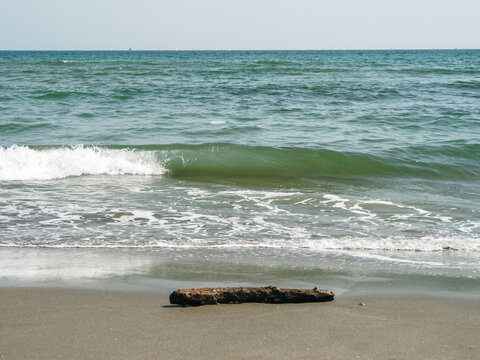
<point x="24" y="163"/>
<point x="331" y="197"/>
<point x="137" y="217"/>
<point x="381" y="202"/>
<point x="337" y="201"/>
<point x="424" y="244"/>
<point x="468" y="226"/>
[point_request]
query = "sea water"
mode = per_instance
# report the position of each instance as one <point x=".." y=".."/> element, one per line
<point x="241" y="167"/>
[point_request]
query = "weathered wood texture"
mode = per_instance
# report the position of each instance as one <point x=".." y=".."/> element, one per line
<point x="237" y="295"/>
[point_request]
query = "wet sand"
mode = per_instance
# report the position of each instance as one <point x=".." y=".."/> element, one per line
<point x="82" y="324"/>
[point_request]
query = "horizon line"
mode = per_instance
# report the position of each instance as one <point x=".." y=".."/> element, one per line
<point x="312" y="49"/>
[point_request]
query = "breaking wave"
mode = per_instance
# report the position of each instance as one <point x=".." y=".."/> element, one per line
<point x="25" y="163"/>
<point x="236" y="161"/>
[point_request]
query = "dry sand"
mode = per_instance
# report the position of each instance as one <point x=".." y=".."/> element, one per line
<point x="78" y="324"/>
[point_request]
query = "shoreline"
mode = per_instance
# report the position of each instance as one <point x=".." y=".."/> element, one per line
<point x="163" y="271"/>
<point x="78" y="324"/>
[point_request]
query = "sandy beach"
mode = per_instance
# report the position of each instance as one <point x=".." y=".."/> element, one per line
<point x="83" y="324"/>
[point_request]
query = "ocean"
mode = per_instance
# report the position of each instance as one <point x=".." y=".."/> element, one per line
<point x="312" y="168"/>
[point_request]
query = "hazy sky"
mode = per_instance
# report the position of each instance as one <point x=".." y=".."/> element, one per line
<point x="246" y="24"/>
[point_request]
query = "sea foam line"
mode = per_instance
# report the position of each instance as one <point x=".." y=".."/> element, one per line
<point x="25" y="163"/>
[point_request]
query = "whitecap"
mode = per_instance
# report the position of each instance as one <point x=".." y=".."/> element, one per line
<point x="25" y="163"/>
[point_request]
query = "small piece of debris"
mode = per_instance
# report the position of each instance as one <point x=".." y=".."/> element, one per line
<point x="361" y="304"/>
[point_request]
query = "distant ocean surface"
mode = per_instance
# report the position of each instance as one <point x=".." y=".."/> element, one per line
<point x="361" y="153"/>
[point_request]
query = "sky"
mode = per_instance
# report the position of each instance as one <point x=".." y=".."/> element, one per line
<point x="234" y="24"/>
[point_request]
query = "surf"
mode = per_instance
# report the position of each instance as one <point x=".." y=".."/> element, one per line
<point x="232" y="161"/>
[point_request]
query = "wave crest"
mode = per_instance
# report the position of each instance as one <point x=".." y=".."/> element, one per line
<point x="25" y="163"/>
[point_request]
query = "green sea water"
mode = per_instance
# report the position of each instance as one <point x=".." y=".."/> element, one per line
<point x="278" y="157"/>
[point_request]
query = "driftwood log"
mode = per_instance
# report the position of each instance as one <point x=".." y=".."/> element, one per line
<point x="237" y="295"/>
